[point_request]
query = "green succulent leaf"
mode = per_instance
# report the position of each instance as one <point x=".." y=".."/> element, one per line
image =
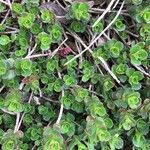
<point x="79" y="11"/>
<point x="101" y="52"/>
<point x="133" y="99"/>
<point x="3" y="68"/>
<point x="137" y="54"/>
<point x="96" y="108"/>
<point x="4" y="40"/>
<point x="51" y="65"/>
<point x="8" y="145"/>
<point x="119" y="25"/>
<point x="47" y="16"/>
<point x="69" y="80"/>
<point x="142" y="126"/>
<point x="67" y="127"/>
<point x="24" y="67"/>
<point x="53" y="139"/>
<point x="13" y="102"/>
<point x="45" y="40"/>
<point x="58" y="85"/>
<point x="104" y="136"/>
<point x="36" y="28"/>
<point x="26" y="20"/>
<point x="77" y="107"/>
<point x="108" y="84"/>
<point x="119" y="69"/>
<point x="128" y="121"/>
<point x="115" y="47"/>
<point x="17" y="8"/>
<point x="138" y="140"/>
<point x="80" y="94"/>
<point x="137" y="2"/>
<point x="98" y="28"/>
<point x="78" y="27"/>
<point x="56" y="33"/>
<point x="116" y="143"/>
<point x="67" y="100"/>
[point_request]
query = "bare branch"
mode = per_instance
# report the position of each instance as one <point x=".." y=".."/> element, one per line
<point x="61" y="107"/>
<point x="104" y="13"/>
<point x="8" y="112"/>
<point x="37" y="55"/>
<point x="142" y="70"/>
<point x="1" y="89"/>
<point x="17" y="122"/>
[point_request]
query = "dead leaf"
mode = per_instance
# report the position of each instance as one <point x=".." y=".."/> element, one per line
<point x="101" y="41"/>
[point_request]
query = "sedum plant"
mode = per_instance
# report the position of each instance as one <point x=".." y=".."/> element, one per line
<point x="36" y="28"/>
<point x="67" y="125"/>
<point x="114" y="47"/>
<point x="137" y="2"/>
<point x="26" y="20"/>
<point x="56" y="33"/>
<point x="7" y="71"/>
<point x="134" y="78"/>
<point x="10" y="140"/>
<point x="98" y="28"/>
<point x="79" y="11"/>
<point x="80" y="94"/>
<point x="77" y="26"/>
<point x="45" y="40"/>
<point x="119" y="69"/>
<point x="74" y="75"/>
<point x="108" y="84"/>
<point x="119" y="25"/>
<point x="138" y="53"/>
<point x="51" y="65"/>
<point x="52" y="139"/>
<point x="67" y="100"/>
<point x="4" y="40"/>
<point x="17" y="8"/>
<point x="3" y="68"/>
<point x="127" y="121"/>
<point x="47" y="16"/>
<point x="24" y="67"/>
<point x="132" y="98"/>
<point x="95" y="107"/>
<point x="69" y="80"/>
<point x="143" y="15"/>
<point x="13" y="102"/>
<point x="101" y="52"/>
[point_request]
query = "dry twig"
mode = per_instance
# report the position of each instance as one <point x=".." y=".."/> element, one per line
<point x="104" y="13"/>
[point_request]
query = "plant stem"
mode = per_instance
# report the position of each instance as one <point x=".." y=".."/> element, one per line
<point x="8" y="112"/>
<point x="17" y="122"/>
<point x="3" y="21"/>
<point x="1" y="89"/>
<point x="37" y="55"/>
<point x="142" y="70"/>
<point x="61" y="107"/>
<point x="104" y="13"/>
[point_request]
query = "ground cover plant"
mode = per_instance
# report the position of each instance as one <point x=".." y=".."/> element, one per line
<point x="74" y="74"/>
